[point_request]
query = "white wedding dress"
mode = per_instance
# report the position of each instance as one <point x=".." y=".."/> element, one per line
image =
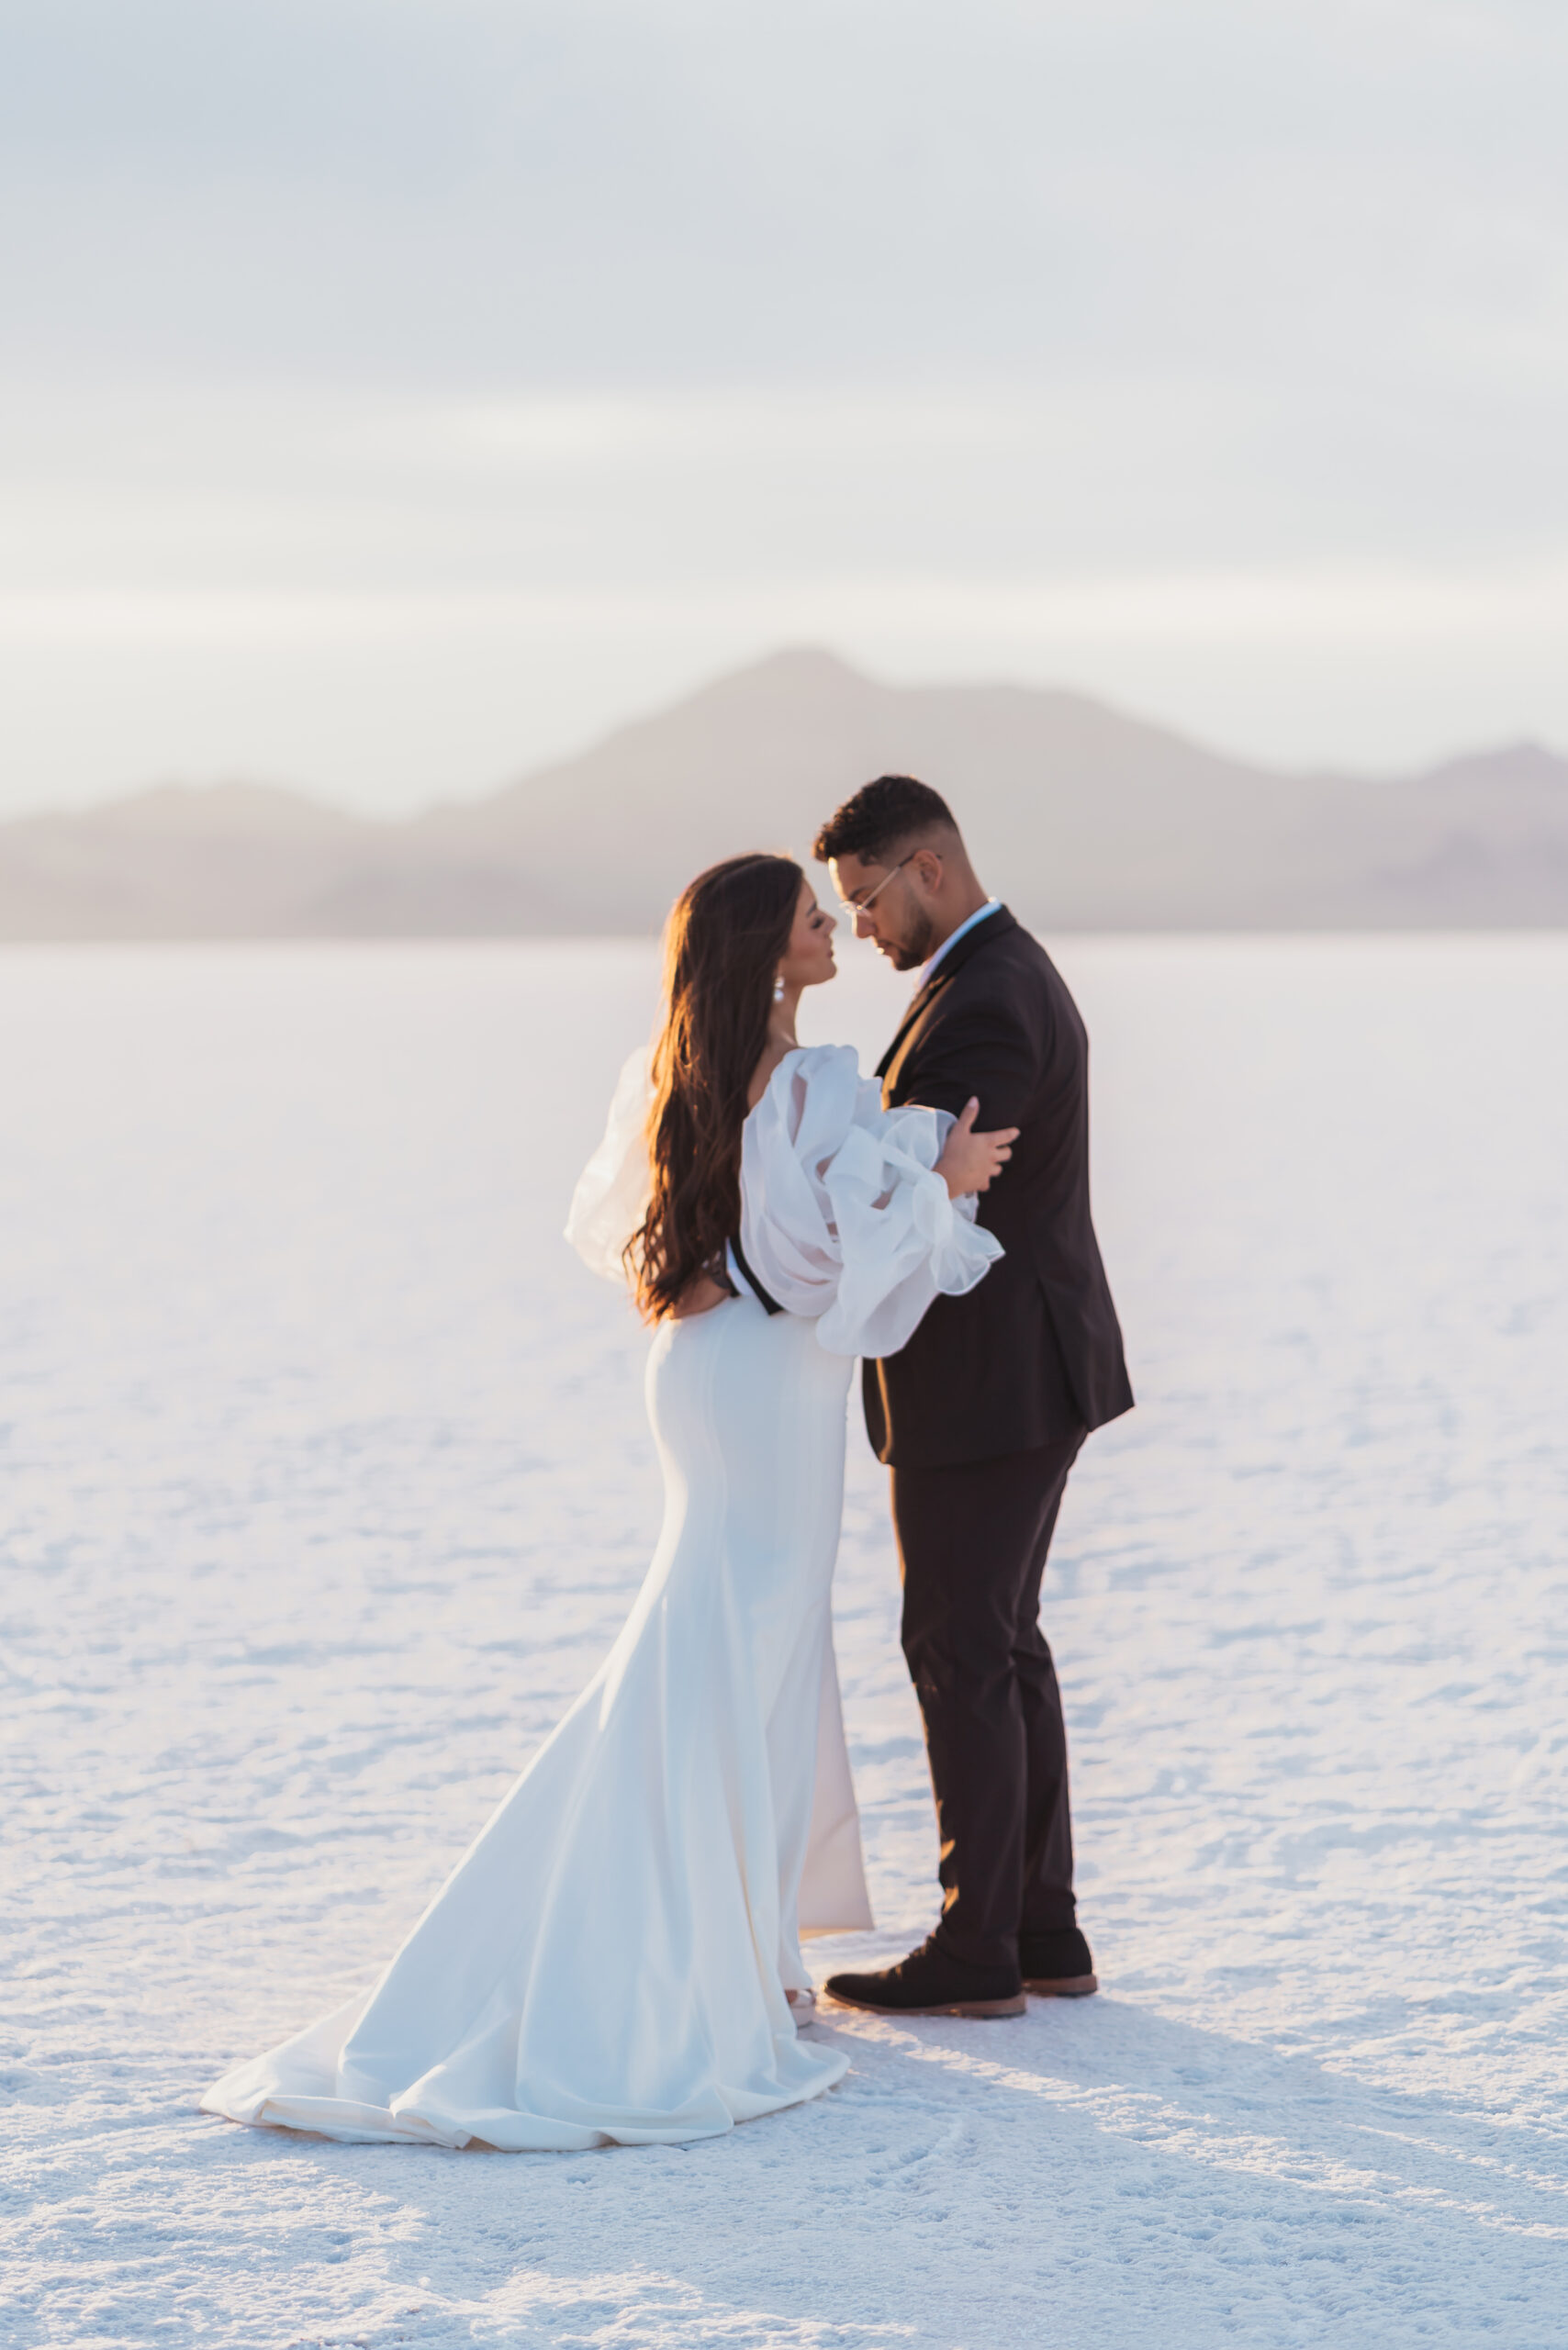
<point x="611" y="1958"/>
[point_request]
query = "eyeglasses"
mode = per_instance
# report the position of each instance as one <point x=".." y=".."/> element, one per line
<point x="853" y="906"/>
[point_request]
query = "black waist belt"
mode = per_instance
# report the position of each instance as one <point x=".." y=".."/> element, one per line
<point x="768" y="1305"/>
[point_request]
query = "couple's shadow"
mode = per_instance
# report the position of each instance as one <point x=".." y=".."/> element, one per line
<point x="1289" y="2192"/>
<point x="1086" y="2172"/>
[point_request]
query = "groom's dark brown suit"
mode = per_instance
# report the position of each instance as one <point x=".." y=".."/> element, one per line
<point x="981" y="1417"/>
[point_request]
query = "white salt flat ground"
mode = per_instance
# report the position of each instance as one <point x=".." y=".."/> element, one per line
<point x="326" y="1483"/>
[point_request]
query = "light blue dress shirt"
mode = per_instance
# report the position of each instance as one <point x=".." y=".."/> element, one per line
<point x="980" y="914"/>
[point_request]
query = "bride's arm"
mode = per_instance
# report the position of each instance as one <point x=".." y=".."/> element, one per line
<point x="845" y="1212"/>
<point x="968" y="1163"/>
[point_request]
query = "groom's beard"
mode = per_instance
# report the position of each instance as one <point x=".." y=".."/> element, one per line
<point x="910" y="953"/>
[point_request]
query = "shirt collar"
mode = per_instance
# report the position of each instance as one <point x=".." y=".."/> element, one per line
<point x="952" y="939"/>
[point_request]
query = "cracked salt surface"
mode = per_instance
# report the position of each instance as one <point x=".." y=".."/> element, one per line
<point x="327" y="1484"/>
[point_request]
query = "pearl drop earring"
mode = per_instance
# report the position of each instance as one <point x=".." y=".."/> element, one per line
<point x="778" y="988"/>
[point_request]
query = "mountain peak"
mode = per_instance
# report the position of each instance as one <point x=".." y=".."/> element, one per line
<point x="799" y="665"/>
<point x="1088" y="818"/>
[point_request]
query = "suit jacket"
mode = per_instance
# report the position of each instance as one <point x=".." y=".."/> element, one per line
<point x="1035" y="1351"/>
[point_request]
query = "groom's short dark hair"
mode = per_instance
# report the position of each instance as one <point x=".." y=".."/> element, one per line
<point x="879" y="818"/>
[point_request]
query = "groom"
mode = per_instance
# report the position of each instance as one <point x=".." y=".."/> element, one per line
<point x="981" y="1415"/>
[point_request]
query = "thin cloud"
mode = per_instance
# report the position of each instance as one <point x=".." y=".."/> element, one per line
<point x="1202" y="356"/>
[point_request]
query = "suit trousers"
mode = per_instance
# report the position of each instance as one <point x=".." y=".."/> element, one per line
<point x="972" y="1544"/>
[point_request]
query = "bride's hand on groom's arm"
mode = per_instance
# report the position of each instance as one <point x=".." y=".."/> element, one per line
<point x="970" y="1162"/>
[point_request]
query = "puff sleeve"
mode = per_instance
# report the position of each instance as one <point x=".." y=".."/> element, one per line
<point x="842" y="1213"/>
<point x="611" y="1197"/>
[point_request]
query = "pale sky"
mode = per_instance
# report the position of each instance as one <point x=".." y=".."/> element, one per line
<point x="395" y="393"/>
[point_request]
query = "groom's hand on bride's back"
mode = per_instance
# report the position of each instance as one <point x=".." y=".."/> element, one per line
<point x="971" y="1162"/>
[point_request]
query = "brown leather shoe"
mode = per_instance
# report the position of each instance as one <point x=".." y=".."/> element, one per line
<point x="1056" y="1964"/>
<point x="929" y="1983"/>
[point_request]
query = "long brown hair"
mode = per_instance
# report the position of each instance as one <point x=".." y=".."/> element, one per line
<point x="726" y="937"/>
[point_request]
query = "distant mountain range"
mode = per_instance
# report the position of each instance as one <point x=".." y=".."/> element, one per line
<point x="1084" y="819"/>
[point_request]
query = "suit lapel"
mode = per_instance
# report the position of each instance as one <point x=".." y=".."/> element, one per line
<point x="952" y="963"/>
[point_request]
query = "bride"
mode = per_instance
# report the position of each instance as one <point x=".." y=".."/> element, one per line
<point x="616" y="1955"/>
